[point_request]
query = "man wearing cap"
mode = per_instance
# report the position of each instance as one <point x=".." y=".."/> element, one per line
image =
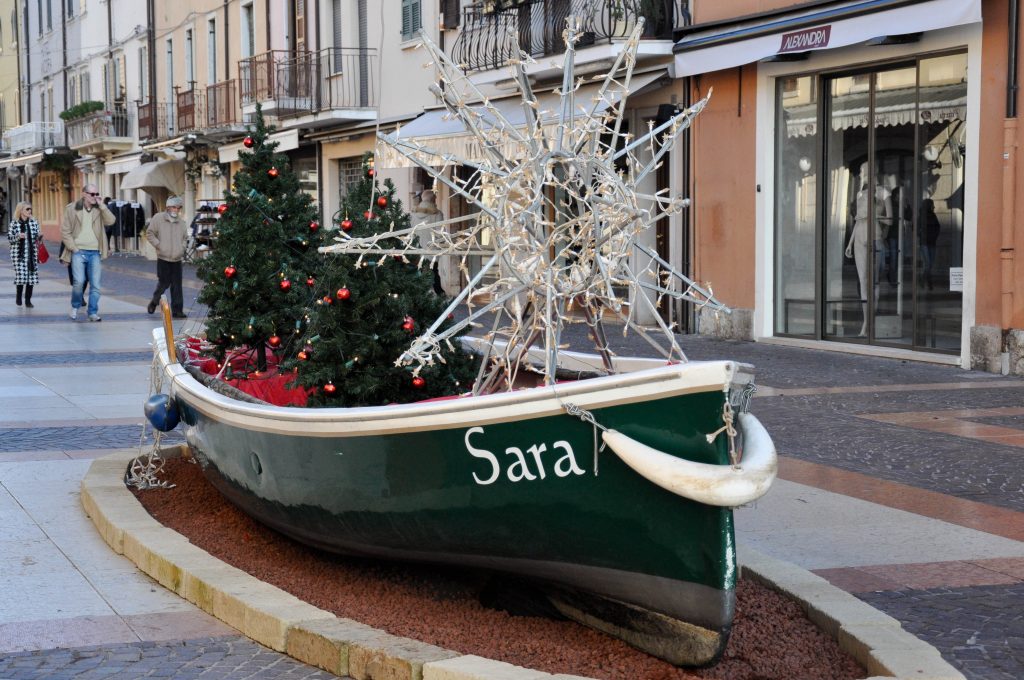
<point x="167" y="233"/>
<point x="84" y="238"/>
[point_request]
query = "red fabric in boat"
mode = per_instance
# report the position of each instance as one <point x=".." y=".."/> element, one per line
<point x="270" y="385"/>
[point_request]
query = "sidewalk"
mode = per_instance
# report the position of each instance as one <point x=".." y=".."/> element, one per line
<point x="71" y="392"/>
<point x="899" y="482"/>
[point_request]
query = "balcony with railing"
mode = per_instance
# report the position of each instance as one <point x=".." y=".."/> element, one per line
<point x="111" y="130"/>
<point x="223" y="111"/>
<point x="336" y="79"/>
<point x="486" y="41"/>
<point x="156" y="121"/>
<point x="190" y="110"/>
<point x="34" y="136"/>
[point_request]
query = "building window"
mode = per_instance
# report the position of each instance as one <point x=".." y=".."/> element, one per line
<point x="211" y="51"/>
<point x="71" y="8"/>
<point x="170" y="71"/>
<point x="350" y="173"/>
<point x="39" y="15"/>
<point x="868" y="214"/>
<point x="336" y="25"/>
<point x="72" y="91"/>
<point x="84" y="86"/>
<point x="143" y="74"/>
<point x="248" y="31"/>
<point x="190" y="76"/>
<point x="411" y="18"/>
<point x="49" y="15"/>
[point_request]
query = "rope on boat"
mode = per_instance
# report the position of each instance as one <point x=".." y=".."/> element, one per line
<point x="743" y="400"/>
<point x="730" y="430"/>
<point x="145" y="469"/>
<point x="586" y="416"/>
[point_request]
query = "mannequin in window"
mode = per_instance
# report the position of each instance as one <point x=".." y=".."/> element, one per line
<point x="857" y="247"/>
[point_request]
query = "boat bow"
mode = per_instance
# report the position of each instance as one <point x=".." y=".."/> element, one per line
<point x="719" y="485"/>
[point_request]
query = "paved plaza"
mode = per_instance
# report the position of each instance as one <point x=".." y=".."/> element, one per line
<point x="900" y="482"/>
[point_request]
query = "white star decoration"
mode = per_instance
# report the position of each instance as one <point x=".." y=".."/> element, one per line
<point x="560" y="226"/>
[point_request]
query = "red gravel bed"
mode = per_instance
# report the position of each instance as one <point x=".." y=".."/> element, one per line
<point x="771" y="637"/>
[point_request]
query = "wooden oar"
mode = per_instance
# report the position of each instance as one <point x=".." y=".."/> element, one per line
<point x="165" y="309"/>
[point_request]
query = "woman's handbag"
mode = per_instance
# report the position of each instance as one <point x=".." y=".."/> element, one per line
<point x="44" y="254"/>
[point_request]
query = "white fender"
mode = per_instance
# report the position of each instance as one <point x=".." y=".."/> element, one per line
<point x="721" y="485"/>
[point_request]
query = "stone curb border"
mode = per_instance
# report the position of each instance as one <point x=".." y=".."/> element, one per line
<point x="344" y="647"/>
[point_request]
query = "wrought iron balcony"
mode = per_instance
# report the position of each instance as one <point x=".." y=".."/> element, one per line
<point x="222" y="107"/>
<point x="295" y="83"/>
<point x="486" y="42"/>
<point x="106" y="131"/>
<point x="156" y="121"/>
<point x="34" y="136"/>
<point x="189" y="110"/>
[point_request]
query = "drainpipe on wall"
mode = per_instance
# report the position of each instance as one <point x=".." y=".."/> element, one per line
<point x="1007" y="240"/>
<point x="26" y="96"/>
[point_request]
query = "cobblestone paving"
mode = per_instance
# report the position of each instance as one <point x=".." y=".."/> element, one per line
<point x="77" y="438"/>
<point x="825" y="430"/>
<point x="1016" y="422"/>
<point x="221" y="658"/>
<point x="78" y="358"/>
<point x="980" y="630"/>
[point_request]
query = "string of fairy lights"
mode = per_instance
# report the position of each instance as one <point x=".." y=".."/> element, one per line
<point x="564" y="226"/>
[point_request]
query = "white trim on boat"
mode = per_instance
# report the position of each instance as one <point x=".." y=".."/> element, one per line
<point x="593" y="393"/>
<point x="719" y="485"/>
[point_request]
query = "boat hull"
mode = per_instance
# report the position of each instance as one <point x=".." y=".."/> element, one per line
<point x="508" y="482"/>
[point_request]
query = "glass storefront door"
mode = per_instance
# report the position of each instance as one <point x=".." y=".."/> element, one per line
<point x="869" y="187"/>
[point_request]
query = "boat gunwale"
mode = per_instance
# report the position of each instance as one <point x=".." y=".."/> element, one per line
<point x="544" y="401"/>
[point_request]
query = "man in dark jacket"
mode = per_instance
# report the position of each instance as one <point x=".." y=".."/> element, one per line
<point x="167" y="233"/>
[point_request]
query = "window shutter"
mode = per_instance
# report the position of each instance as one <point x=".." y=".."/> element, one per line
<point x="406" y="18"/>
<point x="451" y="13"/>
<point x="411" y="19"/>
<point x="300" y="25"/>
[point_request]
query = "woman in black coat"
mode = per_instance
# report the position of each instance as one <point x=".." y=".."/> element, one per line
<point x="23" y="234"/>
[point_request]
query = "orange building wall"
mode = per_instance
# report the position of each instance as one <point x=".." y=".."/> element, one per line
<point x="993" y="196"/>
<point x="715" y="10"/>
<point x="724" y="185"/>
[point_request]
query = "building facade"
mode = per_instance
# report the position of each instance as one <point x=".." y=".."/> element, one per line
<point x="853" y="188"/>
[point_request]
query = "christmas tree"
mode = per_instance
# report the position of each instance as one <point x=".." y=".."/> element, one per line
<point x="260" y="276"/>
<point x="368" y="313"/>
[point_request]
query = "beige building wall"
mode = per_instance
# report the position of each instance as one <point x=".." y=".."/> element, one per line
<point x="10" y="115"/>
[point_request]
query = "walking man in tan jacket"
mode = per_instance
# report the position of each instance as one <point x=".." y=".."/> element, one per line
<point x="166" y="232"/>
<point x="83" y="233"/>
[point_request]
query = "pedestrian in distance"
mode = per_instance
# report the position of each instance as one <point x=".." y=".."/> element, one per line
<point x="83" y="233"/>
<point x="167" y="232"/>
<point x="23" y="233"/>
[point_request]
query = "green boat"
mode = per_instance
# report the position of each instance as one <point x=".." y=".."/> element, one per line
<point x="616" y="491"/>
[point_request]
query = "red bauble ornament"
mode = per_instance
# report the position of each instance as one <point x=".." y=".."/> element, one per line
<point x="274" y="341"/>
<point x="408" y="324"/>
<point x="382" y="201"/>
<point x="368" y="214"/>
<point x="230" y="271"/>
<point x="328" y="300"/>
<point x="285" y="285"/>
<point x="343" y="294"/>
<point x="222" y="208"/>
<point x="302" y="356"/>
<point x="371" y="172"/>
<point x="346" y="224"/>
<point x="249" y="142"/>
<point x="314" y="225"/>
<point x="273" y="173"/>
<point x="329" y="388"/>
<point x="310" y="282"/>
<point x="419" y="383"/>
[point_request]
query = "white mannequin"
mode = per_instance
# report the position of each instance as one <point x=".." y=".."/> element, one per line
<point x="857" y="248"/>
